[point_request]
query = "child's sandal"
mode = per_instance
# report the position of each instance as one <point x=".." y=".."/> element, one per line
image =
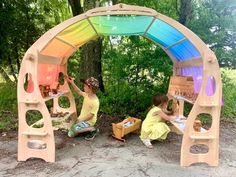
<point x="148" y="144"/>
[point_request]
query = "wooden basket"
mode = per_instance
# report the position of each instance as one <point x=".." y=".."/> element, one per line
<point x="120" y="131"/>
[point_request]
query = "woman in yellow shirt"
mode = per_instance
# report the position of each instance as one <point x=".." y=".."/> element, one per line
<point x="154" y="126"/>
<point x="88" y="114"/>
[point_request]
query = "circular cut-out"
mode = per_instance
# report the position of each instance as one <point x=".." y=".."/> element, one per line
<point x="28" y="83"/>
<point x="64" y="102"/>
<point x="61" y="78"/>
<point x="36" y="144"/>
<point x="202" y="122"/>
<point x="199" y="149"/>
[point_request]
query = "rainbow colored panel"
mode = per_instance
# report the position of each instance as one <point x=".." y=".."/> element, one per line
<point x="159" y="31"/>
<point x="121" y="25"/>
<point x="78" y="33"/>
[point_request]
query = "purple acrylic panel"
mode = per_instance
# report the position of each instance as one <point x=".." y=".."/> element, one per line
<point x="196" y="72"/>
<point x="211" y="86"/>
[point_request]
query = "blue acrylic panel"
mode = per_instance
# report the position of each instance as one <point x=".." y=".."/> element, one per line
<point x="164" y="34"/>
<point x="184" y="51"/>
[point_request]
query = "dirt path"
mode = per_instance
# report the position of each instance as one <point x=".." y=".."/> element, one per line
<point x="107" y="157"/>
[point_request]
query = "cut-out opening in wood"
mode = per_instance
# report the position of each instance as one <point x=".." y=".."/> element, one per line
<point x="199" y="149"/>
<point x="50" y="107"/>
<point x="36" y="144"/>
<point x="173" y="106"/>
<point x="28" y="83"/>
<point x="210" y="86"/>
<point x="32" y="117"/>
<point x="49" y="104"/>
<point x="187" y="108"/>
<point x="202" y="122"/>
<point x="170" y="105"/>
<point x="64" y="102"/>
<point x="61" y="78"/>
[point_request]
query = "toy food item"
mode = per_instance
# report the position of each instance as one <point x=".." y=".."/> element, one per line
<point x="51" y="110"/>
<point x="175" y="107"/>
<point x="44" y="89"/>
<point x="54" y="87"/>
<point x="53" y="114"/>
<point x="197" y="125"/>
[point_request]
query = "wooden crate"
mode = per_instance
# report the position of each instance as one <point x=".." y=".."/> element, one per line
<point x="119" y="131"/>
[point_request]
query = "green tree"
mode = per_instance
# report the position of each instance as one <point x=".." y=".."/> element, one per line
<point x="22" y="23"/>
<point x="134" y="69"/>
<point x="166" y="7"/>
<point x="185" y="11"/>
<point x="215" y="22"/>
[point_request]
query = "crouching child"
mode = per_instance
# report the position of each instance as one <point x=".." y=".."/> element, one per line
<point x="88" y="115"/>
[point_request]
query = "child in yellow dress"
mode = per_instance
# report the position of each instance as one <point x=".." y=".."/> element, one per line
<point x="154" y="126"/>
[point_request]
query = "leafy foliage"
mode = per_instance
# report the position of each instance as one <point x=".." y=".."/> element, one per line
<point x="22" y="22"/>
<point x="8" y="100"/>
<point x="229" y="93"/>
<point x="133" y="74"/>
<point x="8" y="107"/>
<point x="215" y="23"/>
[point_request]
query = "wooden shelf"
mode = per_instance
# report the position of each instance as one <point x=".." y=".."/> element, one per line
<point x="201" y="137"/>
<point x="30" y="102"/>
<point x="181" y="125"/>
<point x="60" y="93"/>
<point x="62" y="122"/>
<point x="34" y="133"/>
<point x="208" y="104"/>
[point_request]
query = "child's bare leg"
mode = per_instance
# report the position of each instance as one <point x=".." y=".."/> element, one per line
<point x="146" y="140"/>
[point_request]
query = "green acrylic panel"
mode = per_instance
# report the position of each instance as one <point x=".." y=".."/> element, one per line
<point x="121" y="25"/>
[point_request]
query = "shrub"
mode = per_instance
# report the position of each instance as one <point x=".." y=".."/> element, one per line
<point x="229" y="94"/>
<point x="8" y="98"/>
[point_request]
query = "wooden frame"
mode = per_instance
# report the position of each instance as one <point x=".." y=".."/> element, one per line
<point x="34" y="100"/>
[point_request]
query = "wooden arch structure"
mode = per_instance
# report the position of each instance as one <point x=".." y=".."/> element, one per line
<point x="186" y="50"/>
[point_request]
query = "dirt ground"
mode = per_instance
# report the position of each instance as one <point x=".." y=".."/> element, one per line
<point x="106" y="157"/>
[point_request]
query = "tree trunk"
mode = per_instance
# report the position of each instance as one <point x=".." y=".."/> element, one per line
<point x="91" y="64"/>
<point x="18" y="62"/>
<point x="76" y="7"/>
<point x="91" y="61"/>
<point x="185" y="11"/>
